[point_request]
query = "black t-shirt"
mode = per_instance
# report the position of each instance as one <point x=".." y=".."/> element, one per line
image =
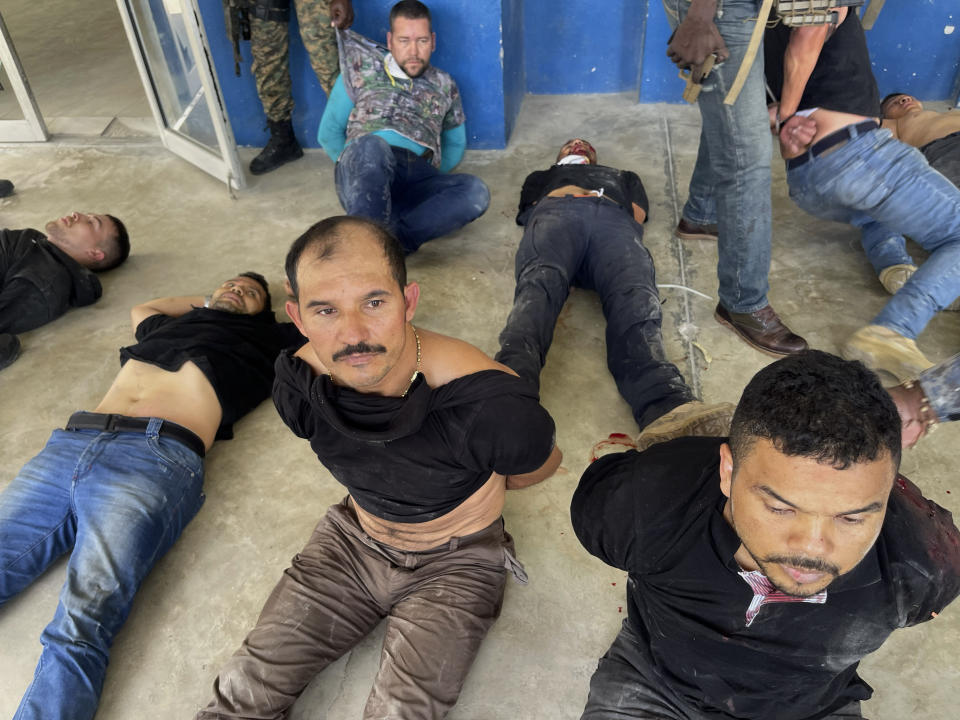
<point x="842" y="79"/>
<point x="235" y="352"/>
<point x="416" y="458"/>
<point x="659" y="516"/>
<point x="621" y="186"/>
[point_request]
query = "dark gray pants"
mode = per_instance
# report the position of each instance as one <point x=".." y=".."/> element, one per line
<point x="439" y="605"/>
<point x="621" y="689"/>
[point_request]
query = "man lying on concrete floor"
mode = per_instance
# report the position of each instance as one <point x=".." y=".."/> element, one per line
<point x="583" y="225"/>
<point x="394" y="126"/>
<point x="428" y="434"/>
<point x="932" y="399"/>
<point x="42" y="275"/>
<point x="937" y="135"/>
<point x="855" y="172"/>
<point x="763" y="567"/>
<point x="119" y="484"/>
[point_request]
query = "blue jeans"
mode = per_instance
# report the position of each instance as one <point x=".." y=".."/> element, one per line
<point x="731" y="180"/>
<point x="877" y="177"/>
<point x="405" y="192"/>
<point x="593" y="243"/>
<point x="119" y="500"/>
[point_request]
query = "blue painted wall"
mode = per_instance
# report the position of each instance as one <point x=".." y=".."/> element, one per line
<point x="914" y="50"/>
<point x="583" y="46"/>
<point x="498" y="50"/>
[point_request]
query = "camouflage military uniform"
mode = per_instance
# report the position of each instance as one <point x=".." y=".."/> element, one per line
<point x="420" y="108"/>
<point x="270" y="46"/>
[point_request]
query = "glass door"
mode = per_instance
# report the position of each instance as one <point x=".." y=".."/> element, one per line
<point x="20" y="120"/>
<point x="173" y="58"/>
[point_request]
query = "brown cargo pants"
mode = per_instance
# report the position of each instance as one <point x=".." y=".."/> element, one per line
<point x="439" y="604"/>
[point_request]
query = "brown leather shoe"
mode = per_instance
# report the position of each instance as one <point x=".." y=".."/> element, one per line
<point x="689" y="231"/>
<point x="762" y="330"/>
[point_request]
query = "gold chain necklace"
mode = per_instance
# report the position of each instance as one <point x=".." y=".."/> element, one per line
<point x="417" y="369"/>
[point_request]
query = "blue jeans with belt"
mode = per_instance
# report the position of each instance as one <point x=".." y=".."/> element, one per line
<point x="877" y="177"/>
<point x="595" y="244"/>
<point x="406" y="193"/>
<point x="731" y="181"/>
<point x="118" y="500"/>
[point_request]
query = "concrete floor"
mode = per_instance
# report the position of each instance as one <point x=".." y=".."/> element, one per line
<point x="265" y="489"/>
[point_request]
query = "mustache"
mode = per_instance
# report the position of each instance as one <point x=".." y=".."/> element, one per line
<point x="361" y="348"/>
<point x="804" y="563"/>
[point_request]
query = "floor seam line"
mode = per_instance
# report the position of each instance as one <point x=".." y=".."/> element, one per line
<point x="693" y="370"/>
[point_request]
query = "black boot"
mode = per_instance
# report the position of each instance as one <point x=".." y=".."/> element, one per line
<point x="6" y="188"/>
<point x="282" y="148"/>
<point x="9" y="349"/>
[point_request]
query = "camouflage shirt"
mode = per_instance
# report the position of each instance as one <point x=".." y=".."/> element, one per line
<point x="418" y="108"/>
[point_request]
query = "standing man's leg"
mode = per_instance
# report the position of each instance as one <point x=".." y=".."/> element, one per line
<point x="429" y="204"/>
<point x="132" y="496"/>
<point x="320" y="39"/>
<point x="552" y="248"/>
<point x="270" y="47"/>
<point x="736" y="161"/>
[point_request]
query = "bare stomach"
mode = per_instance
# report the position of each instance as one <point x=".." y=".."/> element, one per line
<point x="473" y="514"/>
<point x="829" y="121"/>
<point x="185" y="397"/>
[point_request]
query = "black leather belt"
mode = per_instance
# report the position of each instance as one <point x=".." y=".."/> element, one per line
<point x="832" y="140"/>
<point x="108" y="422"/>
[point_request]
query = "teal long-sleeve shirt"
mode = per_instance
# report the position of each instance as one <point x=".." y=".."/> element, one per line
<point x="332" y="134"/>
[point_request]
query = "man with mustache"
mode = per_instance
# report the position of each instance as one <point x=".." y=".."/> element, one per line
<point x="427" y="433"/>
<point x="41" y="275"/>
<point x="394" y="126"/>
<point x="117" y="486"/>
<point x="764" y="566"/>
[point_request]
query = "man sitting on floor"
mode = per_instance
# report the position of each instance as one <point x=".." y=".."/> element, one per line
<point x="764" y="567"/>
<point x="584" y="225"/>
<point x="427" y="433"/>
<point x="42" y="275"/>
<point x="394" y="126"/>
<point x="119" y="484"/>
<point x="857" y="173"/>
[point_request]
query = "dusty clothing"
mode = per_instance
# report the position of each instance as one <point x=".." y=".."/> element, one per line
<point x="235" y="352"/>
<point x="338" y="588"/>
<point x="38" y="281"/>
<point x="842" y="80"/>
<point x="659" y="516"/>
<point x="415" y="458"/>
<point x="596" y="244"/>
<point x="941" y="385"/>
<point x="419" y="109"/>
<point x="270" y="48"/>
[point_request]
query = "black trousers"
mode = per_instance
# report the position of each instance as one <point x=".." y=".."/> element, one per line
<point x="595" y="244"/>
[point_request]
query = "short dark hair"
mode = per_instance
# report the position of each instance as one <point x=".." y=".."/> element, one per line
<point x="816" y="405"/>
<point x="410" y="9"/>
<point x="262" y="281"/>
<point x="888" y="98"/>
<point x="121" y="248"/>
<point x="325" y="237"/>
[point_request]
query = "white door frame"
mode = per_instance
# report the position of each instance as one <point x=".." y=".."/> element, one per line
<point x="32" y="127"/>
